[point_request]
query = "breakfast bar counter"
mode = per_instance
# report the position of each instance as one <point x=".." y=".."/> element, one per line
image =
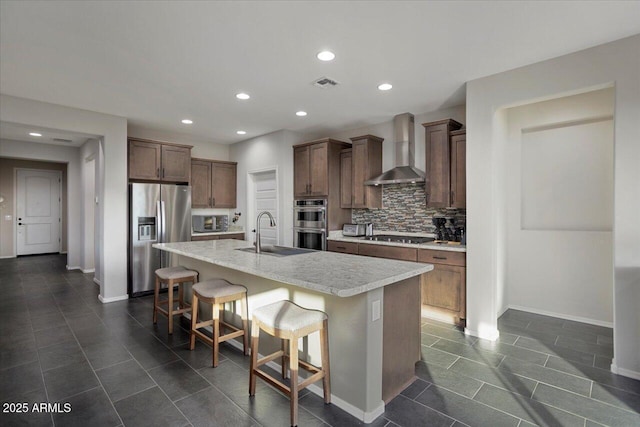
<point x="373" y="307"/>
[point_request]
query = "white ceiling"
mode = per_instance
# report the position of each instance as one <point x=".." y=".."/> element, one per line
<point x="156" y="63"/>
<point x="17" y="132"/>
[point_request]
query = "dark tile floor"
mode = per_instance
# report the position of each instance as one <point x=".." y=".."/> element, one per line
<point x="58" y="343"/>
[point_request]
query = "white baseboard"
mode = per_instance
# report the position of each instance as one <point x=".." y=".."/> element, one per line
<point x="95" y="279"/>
<point x="562" y="316"/>
<point x="366" y="417"/>
<point x="7" y="256"/>
<point x="89" y="270"/>
<point x="63" y="253"/>
<point x="112" y="299"/>
<point x="490" y="335"/>
<point x="624" y="372"/>
<point x="73" y="268"/>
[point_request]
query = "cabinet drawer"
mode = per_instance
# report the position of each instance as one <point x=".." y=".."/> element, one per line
<point x="343" y="247"/>
<point x="199" y="238"/>
<point x="236" y="236"/>
<point x="434" y="256"/>
<point x="380" y="251"/>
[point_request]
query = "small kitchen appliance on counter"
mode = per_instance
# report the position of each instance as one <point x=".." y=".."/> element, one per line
<point x="210" y="223"/>
<point x="357" y="230"/>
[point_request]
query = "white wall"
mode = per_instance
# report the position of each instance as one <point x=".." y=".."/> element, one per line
<point x="617" y="62"/>
<point x="202" y="148"/>
<point x="88" y="158"/>
<point x="555" y="159"/>
<point x="266" y="152"/>
<point x="56" y="153"/>
<point x="112" y="182"/>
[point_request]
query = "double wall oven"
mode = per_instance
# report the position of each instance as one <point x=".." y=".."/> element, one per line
<point x="310" y="224"/>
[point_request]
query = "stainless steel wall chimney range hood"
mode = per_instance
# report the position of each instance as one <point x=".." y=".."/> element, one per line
<point x="405" y="170"/>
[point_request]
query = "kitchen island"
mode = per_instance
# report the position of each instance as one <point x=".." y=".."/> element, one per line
<point x="373" y="307"/>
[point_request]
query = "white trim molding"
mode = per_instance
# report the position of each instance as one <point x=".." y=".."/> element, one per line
<point x="75" y="267"/>
<point x="89" y="270"/>
<point x="562" y="316"/>
<point x="7" y="256"/>
<point x="96" y="280"/>
<point x="112" y="299"/>
<point x="624" y="372"/>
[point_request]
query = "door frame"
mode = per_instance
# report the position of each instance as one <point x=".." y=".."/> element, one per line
<point x="15" y="206"/>
<point x="251" y="208"/>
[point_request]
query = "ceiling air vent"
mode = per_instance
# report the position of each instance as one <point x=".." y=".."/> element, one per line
<point x="68" y="141"/>
<point x="325" y="82"/>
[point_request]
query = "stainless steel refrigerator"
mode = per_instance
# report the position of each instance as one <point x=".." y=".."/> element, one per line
<point x="159" y="213"/>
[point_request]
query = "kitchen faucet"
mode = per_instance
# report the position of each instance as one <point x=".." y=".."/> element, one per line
<point x="272" y="223"/>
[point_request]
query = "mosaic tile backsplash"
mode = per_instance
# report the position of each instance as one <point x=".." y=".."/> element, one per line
<point x="404" y="210"/>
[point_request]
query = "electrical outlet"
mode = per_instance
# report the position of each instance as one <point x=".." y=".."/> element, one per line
<point x="375" y="310"/>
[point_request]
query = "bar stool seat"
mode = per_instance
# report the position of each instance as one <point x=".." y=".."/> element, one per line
<point x="289" y="322"/>
<point x="217" y="292"/>
<point x="172" y="276"/>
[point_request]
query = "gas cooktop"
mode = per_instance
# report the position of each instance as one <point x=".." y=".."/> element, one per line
<point x="399" y="239"/>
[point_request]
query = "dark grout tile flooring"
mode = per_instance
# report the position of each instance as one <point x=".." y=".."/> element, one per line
<point x="58" y="343"/>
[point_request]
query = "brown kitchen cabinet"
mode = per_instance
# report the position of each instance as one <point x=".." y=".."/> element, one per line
<point x="342" y="247"/>
<point x="444" y="290"/>
<point x="438" y="162"/>
<point x="363" y="163"/>
<point x="459" y="168"/>
<point x="391" y="252"/>
<point x="236" y="236"/>
<point x="346" y="186"/>
<point x="316" y="168"/>
<point x="213" y="184"/>
<point x="159" y="161"/>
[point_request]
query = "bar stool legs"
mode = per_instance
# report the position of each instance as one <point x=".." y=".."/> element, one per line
<point x="217" y="292"/>
<point x="290" y="322"/>
<point x="172" y="276"/>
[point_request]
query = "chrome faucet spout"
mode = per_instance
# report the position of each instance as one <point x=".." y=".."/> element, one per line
<point x="272" y="223"/>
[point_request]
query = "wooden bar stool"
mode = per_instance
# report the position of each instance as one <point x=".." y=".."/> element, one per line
<point x="288" y="321"/>
<point x="172" y="276"/>
<point x="217" y="292"/>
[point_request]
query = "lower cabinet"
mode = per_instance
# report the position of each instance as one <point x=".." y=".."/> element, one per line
<point x="236" y="236"/>
<point x="444" y="289"/>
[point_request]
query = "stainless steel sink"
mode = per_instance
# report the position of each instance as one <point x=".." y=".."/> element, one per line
<point x="278" y="250"/>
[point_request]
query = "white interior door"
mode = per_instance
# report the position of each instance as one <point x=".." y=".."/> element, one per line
<point x="266" y="199"/>
<point x="38" y="211"/>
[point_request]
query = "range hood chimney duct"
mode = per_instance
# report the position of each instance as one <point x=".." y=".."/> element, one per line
<point x="405" y="170"/>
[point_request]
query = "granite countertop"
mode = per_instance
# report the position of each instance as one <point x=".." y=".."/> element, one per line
<point x="216" y="233"/>
<point x="338" y="237"/>
<point x="327" y="272"/>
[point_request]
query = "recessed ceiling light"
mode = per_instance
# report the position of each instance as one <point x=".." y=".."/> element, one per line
<point x="241" y="132"/>
<point x="385" y="86"/>
<point x="301" y="113"/>
<point x="242" y="96"/>
<point x="326" y="55"/>
<point x="187" y="121"/>
<point x="35" y="134"/>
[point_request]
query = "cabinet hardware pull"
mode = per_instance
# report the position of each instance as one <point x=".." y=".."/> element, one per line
<point x="213" y="201"/>
<point x="340" y="247"/>
<point x="209" y="201"/>
<point x="163" y="172"/>
<point x="158" y="173"/>
<point x="439" y="257"/>
<point x="453" y="196"/>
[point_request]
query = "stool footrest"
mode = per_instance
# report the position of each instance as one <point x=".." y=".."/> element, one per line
<point x="269" y="358"/>
<point x="273" y="381"/>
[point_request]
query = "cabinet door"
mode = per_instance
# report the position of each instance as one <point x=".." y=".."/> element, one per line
<point x="437" y="166"/>
<point x="360" y="173"/>
<point x="444" y="287"/>
<point x="223" y="185"/>
<point x="346" y="183"/>
<point x="319" y="169"/>
<point x="200" y="184"/>
<point x="176" y="163"/>
<point x="301" y="171"/>
<point x="458" y="171"/>
<point x="144" y="160"/>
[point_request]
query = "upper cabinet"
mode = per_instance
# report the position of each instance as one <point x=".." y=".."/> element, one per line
<point x="363" y="162"/>
<point x="213" y="184"/>
<point x="459" y="168"/>
<point x="159" y="161"/>
<point x="316" y="168"/>
<point x="438" y="163"/>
